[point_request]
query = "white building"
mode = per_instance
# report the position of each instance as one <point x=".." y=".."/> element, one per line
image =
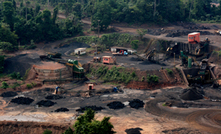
<point x="80" y="51"/>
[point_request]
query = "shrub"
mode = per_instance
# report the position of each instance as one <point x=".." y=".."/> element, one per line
<point x="33" y="84"/>
<point x="15" y="75"/>
<point x="68" y="131"/>
<point x="15" y="85"/>
<point x="143" y="78"/>
<point x="133" y="74"/>
<point x="1" y="63"/>
<point x="47" y="131"/>
<point x="86" y="124"/>
<point x="134" y="44"/>
<point x="169" y="71"/>
<point x="29" y="86"/>
<point x="6" y="46"/>
<point x="4" y="85"/>
<point x="152" y="79"/>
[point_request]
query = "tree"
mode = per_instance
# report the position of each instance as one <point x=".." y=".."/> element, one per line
<point x="134" y="44"/>
<point x="6" y="46"/>
<point x="141" y="33"/>
<point x="68" y="131"/>
<point x="8" y="13"/>
<point x="1" y="63"/>
<point x="86" y="124"/>
<point x="102" y="13"/>
<point x="7" y="36"/>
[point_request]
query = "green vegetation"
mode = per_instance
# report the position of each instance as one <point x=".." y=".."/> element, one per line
<point x="115" y="74"/>
<point x="169" y="71"/>
<point x="4" y="85"/>
<point x="113" y="39"/>
<point x="47" y="131"/>
<point x="86" y="124"/>
<point x="26" y="74"/>
<point x="15" y="75"/>
<point x="134" y="44"/>
<point x="152" y="79"/>
<point x="29" y="86"/>
<point x="14" y="85"/>
<point x="1" y="63"/>
<point x="143" y="79"/>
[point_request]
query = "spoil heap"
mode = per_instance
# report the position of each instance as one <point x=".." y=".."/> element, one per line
<point x="22" y="100"/>
<point x="95" y="108"/>
<point x="9" y="94"/>
<point x="136" y="103"/>
<point x="46" y="103"/>
<point x="54" y="97"/>
<point x="115" y="105"/>
<point x="61" y="110"/>
<point x="191" y="94"/>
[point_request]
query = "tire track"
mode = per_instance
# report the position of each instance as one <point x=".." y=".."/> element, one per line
<point x="207" y="120"/>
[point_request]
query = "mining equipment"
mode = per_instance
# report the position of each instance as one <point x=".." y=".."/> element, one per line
<point x="77" y="69"/>
<point x="147" y="56"/>
<point x="53" y="55"/>
<point x="120" y="53"/>
<point x="96" y="59"/>
<point x="218" y="32"/>
<point x="109" y="60"/>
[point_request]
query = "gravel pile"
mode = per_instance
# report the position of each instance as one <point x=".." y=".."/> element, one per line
<point x="61" y="110"/>
<point x="9" y="94"/>
<point x="182" y="32"/>
<point x="54" y="97"/>
<point x="95" y="108"/>
<point x="22" y="100"/>
<point x="115" y="105"/>
<point x="46" y="103"/>
<point x="192" y="94"/>
<point x="136" y="103"/>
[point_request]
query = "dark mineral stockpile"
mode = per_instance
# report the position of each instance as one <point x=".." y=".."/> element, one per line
<point x="54" y="97"/>
<point x="115" y="105"/>
<point x="191" y="94"/>
<point x="136" y="103"/>
<point x="46" y="103"/>
<point x="61" y="110"/>
<point x="22" y="100"/>
<point x="95" y="108"/>
<point x="9" y="94"/>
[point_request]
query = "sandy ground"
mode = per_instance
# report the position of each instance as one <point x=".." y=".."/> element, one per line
<point x="50" y="65"/>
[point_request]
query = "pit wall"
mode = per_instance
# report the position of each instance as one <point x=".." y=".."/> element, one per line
<point x="45" y="74"/>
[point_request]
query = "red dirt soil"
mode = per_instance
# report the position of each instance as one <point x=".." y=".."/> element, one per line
<point x="50" y="66"/>
<point x="10" y="127"/>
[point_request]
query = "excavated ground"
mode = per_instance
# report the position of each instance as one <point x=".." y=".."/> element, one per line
<point x="153" y="118"/>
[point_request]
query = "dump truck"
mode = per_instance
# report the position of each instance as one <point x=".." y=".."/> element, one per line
<point x="120" y="53"/>
<point x="109" y="60"/>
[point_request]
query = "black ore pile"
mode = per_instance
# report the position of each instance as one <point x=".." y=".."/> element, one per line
<point x="192" y="94"/>
<point x="95" y="108"/>
<point x="9" y="94"/>
<point x="136" y="103"/>
<point x="22" y="100"/>
<point x="61" y="110"/>
<point x="46" y="103"/>
<point x="54" y="97"/>
<point x="115" y="105"/>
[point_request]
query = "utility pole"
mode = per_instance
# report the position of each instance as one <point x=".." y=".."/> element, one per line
<point x="174" y="59"/>
<point x="98" y="27"/>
